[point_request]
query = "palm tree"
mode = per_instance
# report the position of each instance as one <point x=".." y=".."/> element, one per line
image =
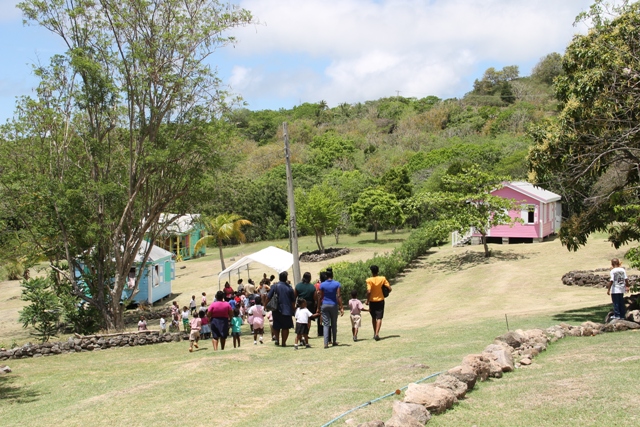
<point x="222" y="229"/>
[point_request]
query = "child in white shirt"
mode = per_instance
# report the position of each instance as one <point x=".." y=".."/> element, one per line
<point x="303" y="316"/>
<point x="163" y="325"/>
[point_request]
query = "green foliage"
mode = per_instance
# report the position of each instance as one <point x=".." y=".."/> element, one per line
<point x="396" y="181"/>
<point x="589" y="153"/>
<point x="548" y="68"/>
<point x="493" y="80"/>
<point x="348" y="184"/>
<point x="376" y="208"/>
<point x="353" y="275"/>
<point x="44" y="309"/>
<point x="330" y="149"/>
<point x="259" y="126"/>
<point x="318" y="211"/>
<point x="120" y="130"/>
<point x="220" y="229"/>
<point x="506" y="93"/>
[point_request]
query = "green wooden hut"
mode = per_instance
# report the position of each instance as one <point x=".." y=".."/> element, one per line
<point x="181" y="235"/>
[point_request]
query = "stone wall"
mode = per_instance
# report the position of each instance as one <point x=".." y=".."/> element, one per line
<point x="80" y="344"/>
<point x="598" y="278"/>
<point x="329" y="253"/>
<point x="513" y="350"/>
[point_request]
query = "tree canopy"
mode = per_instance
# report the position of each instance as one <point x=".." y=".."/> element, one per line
<point x="590" y="153"/>
<point x="376" y="208"/>
<point x="119" y="132"/>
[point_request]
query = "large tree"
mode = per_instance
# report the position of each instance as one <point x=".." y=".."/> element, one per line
<point x="318" y="211"/>
<point x="376" y="208"/>
<point x="591" y="152"/>
<point x="119" y="132"/>
<point x="466" y="202"/>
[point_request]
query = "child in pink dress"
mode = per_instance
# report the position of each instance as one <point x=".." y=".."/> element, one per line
<point x="256" y="314"/>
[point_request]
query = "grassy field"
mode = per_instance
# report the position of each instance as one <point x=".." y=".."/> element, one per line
<point x="452" y="304"/>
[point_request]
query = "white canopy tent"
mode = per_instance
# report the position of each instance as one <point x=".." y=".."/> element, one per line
<point x="275" y="258"/>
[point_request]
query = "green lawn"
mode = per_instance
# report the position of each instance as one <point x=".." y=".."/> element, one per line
<point x="452" y="305"/>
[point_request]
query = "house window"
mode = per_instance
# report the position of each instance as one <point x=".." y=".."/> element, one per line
<point x="156" y="276"/>
<point x="531" y="210"/>
<point x="528" y="214"/>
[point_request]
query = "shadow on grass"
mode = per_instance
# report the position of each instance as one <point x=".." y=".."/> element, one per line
<point x="471" y="259"/>
<point x="388" y="337"/>
<point x="594" y="314"/>
<point x="380" y="241"/>
<point x="14" y="394"/>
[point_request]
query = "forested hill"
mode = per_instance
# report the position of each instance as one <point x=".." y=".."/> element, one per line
<point x="401" y="144"/>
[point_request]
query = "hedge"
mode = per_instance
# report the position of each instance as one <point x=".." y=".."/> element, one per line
<point x="353" y="275"/>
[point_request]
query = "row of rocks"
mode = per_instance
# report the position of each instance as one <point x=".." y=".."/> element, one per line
<point x="131" y="317"/>
<point x="317" y="256"/>
<point x="510" y="351"/>
<point x="91" y="343"/>
<point x="598" y="278"/>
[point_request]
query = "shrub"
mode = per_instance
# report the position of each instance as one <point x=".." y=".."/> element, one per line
<point x="353" y="275"/>
<point x="44" y="309"/>
<point x="354" y="231"/>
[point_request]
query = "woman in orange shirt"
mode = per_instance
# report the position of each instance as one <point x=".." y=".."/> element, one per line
<point x="375" y="299"/>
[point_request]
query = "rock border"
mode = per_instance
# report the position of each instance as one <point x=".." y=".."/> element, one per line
<point x="81" y="344"/>
<point x="329" y="253"/>
<point x="598" y="278"/>
<point x="510" y="351"/>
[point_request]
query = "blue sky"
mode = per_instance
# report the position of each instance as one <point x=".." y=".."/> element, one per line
<point x="345" y="50"/>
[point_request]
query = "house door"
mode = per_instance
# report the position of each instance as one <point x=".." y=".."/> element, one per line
<point x="557" y="217"/>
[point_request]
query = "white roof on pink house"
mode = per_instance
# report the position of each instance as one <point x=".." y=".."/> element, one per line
<point x="531" y="190"/>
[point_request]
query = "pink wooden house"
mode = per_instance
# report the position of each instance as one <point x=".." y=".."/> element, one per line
<point x="540" y="212"/>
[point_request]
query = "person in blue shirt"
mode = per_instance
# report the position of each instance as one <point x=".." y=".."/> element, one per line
<point x="331" y="303"/>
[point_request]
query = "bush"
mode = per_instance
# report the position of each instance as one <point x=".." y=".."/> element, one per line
<point x="353" y="275"/>
<point x="354" y="231"/>
<point x="44" y="309"/>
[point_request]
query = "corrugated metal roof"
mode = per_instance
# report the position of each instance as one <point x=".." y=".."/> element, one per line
<point x="182" y="225"/>
<point x="537" y="193"/>
<point x="155" y="254"/>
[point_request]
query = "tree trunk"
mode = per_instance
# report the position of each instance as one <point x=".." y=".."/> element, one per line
<point x="375" y="232"/>
<point x="336" y="233"/>
<point x="321" y="243"/>
<point x="487" y="252"/>
<point x="221" y="256"/>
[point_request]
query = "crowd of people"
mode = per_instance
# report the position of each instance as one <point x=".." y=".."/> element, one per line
<point x="278" y="303"/>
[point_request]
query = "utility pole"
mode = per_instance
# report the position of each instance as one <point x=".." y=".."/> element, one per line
<point x="293" y="225"/>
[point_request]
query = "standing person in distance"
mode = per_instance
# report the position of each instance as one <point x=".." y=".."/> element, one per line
<point x="375" y="299"/>
<point x="331" y="299"/>
<point x="618" y="285"/>
<point x="283" y="316"/>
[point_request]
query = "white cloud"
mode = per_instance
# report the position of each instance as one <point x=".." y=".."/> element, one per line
<point x="373" y="48"/>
